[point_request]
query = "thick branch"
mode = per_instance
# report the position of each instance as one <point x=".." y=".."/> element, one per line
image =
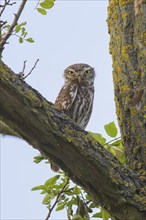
<point x="14" y="23"/>
<point x="85" y="161"/>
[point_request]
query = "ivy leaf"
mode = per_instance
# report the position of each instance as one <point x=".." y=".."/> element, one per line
<point x="111" y="129"/>
<point x="42" y="11"/>
<point x="30" y="40"/>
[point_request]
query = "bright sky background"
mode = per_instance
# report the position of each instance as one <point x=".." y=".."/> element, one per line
<point x="72" y="32"/>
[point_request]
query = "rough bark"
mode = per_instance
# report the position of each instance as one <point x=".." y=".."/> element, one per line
<point x="127" y="28"/>
<point x="86" y="162"/>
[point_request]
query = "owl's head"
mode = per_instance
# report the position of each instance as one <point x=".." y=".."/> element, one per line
<point x="80" y="73"/>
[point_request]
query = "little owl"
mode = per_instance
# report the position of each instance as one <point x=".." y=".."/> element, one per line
<point x="75" y="98"/>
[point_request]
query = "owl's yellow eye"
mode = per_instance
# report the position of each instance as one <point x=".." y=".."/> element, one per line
<point x="88" y="72"/>
<point x="71" y="73"/>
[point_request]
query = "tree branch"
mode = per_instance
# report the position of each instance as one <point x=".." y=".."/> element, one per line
<point x="6" y="3"/>
<point x="14" y="23"/>
<point x="57" y="199"/>
<point x="86" y="162"/>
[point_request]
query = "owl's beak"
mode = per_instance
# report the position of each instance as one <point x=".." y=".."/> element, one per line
<point x="79" y="79"/>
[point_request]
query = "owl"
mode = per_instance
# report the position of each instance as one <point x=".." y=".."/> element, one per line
<point x="75" y="98"/>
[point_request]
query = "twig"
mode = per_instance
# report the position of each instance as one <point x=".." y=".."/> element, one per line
<point x="30" y="70"/>
<point x="112" y="141"/>
<point x="14" y="23"/>
<point x="57" y="199"/>
<point x="37" y="4"/>
<point x="21" y="74"/>
<point x="7" y="2"/>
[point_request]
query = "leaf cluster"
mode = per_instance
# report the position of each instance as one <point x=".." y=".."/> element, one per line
<point x="19" y="31"/>
<point x="44" y="6"/>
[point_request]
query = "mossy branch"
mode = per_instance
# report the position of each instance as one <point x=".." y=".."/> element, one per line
<point x="85" y="161"/>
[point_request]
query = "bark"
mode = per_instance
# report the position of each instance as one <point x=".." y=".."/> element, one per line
<point x="126" y="21"/>
<point x="112" y="185"/>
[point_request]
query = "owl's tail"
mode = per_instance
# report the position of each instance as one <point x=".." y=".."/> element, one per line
<point x="54" y="167"/>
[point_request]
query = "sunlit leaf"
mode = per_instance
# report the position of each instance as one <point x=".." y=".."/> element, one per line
<point x="111" y="129"/>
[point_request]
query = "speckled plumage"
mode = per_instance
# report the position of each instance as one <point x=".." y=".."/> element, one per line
<point x="76" y="96"/>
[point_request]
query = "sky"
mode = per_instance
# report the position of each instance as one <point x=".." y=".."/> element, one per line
<point x="71" y="32"/>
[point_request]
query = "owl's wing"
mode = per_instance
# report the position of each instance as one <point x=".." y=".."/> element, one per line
<point x="66" y="97"/>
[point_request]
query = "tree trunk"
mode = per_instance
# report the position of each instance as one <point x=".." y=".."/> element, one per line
<point x="127" y="28"/>
<point x="86" y="162"/>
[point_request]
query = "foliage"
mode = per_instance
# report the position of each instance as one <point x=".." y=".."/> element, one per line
<point x="61" y="193"/>
<point x="44" y="5"/>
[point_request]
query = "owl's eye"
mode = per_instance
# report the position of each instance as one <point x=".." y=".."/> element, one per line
<point x="87" y="72"/>
<point x="71" y="73"/>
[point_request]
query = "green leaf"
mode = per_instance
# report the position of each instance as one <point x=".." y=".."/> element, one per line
<point x="23" y="23"/>
<point x="77" y="190"/>
<point x="116" y="152"/>
<point x="47" y="4"/>
<point x="40" y="187"/>
<point x="98" y="138"/>
<point x="105" y="214"/>
<point x="51" y="182"/>
<point x="38" y="159"/>
<point x="23" y="31"/>
<point x="60" y="207"/>
<point x="17" y="28"/>
<point x="111" y="129"/>
<point x="42" y="11"/>
<point x="20" y="40"/>
<point x="30" y="40"/>
<point x="47" y="199"/>
<point x="76" y="217"/>
<point x="6" y="26"/>
<point x="97" y="215"/>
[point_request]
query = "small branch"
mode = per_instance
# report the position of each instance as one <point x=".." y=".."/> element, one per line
<point x="7" y="2"/>
<point x="57" y="199"/>
<point x="37" y="4"/>
<point x="30" y="70"/>
<point x="112" y="141"/>
<point x="14" y="23"/>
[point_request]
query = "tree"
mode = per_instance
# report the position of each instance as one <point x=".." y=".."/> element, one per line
<point x="116" y="187"/>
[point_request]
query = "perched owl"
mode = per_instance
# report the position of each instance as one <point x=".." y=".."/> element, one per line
<point x="75" y="98"/>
